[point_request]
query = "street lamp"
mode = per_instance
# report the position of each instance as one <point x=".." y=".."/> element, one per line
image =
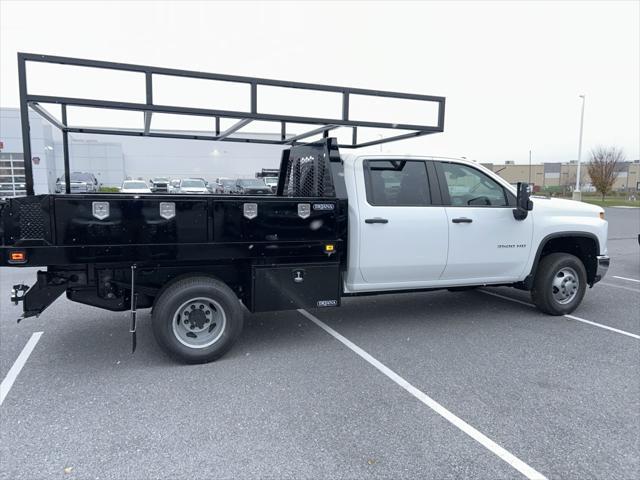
<point x="577" y="195"/>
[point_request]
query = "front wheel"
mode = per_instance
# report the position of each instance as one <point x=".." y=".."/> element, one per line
<point x="197" y="319"/>
<point x="560" y="284"/>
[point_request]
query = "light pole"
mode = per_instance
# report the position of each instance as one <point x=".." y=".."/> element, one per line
<point x="577" y="195"/>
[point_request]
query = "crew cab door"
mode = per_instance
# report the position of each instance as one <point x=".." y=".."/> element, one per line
<point x="402" y="226"/>
<point x="486" y="243"/>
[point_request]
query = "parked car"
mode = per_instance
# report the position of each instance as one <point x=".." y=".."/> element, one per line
<point x="159" y="185"/>
<point x="252" y="186"/>
<point x="81" y="182"/>
<point x="208" y="186"/>
<point x="272" y="183"/>
<point x="226" y="186"/>
<point x="135" y="186"/>
<point x="193" y="186"/>
<point x="174" y="185"/>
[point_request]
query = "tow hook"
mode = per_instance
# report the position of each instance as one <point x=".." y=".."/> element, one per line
<point x="18" y="292"/>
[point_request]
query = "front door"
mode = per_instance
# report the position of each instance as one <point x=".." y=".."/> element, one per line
<point x="486" y="243"/>
<point x="403" y="235"/>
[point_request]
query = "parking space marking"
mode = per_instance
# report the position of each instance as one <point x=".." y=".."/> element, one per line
<point x="479" y="437"/>
<point x="572" y="317"/>
<point x="622" y="287"/>
<point x="626" y="278"/>
<point x="606" y="327"/>
<point x="15" y="369"/>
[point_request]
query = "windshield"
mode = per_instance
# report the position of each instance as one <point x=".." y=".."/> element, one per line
<point x="269" y="180"/>
<point x="192" y="183"/>
<point x="134" y="185"/>
<point x="227" y="183"/>
<point x="251" y="182"/>
<point x="160" y="179"/>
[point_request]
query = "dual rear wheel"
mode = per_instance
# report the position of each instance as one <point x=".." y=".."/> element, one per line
<point x="197" y="319"/>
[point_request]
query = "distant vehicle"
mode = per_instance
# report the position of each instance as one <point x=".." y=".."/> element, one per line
<point x="134" y="186"/>
<point x="270" y="177"/>
<point x="174" y="185"/>
<point x="272" y="183"/>
<point x="252" y="186"/>
<point x="81" y="182"/>
<point x="193" y="186"/>
<point x="226" y="186"/>
<point x="159" y="185"/>
<point x="208" y="186"/>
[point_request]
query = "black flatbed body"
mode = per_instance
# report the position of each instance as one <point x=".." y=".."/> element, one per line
<point x="58" y="229"/>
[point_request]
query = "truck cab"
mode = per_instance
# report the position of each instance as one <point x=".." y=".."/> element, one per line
<point x="427" y="222"/>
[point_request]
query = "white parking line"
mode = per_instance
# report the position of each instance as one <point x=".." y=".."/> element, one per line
<point x="485" y="441"/>
<point x="572" y="317"/>
<point x="15" y="369"/>
<point x="625" y="278"/>
<point x="621" y="287"/>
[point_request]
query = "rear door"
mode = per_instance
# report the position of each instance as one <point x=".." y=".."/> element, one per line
<point x="486" y="243"/>
<point x="402" y="225"/>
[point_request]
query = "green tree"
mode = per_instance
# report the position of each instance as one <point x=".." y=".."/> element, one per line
<point x="603" y="168"/>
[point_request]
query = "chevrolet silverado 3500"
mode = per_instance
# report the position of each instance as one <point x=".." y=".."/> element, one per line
<point x="339" y="225"/>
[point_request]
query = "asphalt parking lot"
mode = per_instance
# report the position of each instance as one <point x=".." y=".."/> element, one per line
<point x="372" y="389"/>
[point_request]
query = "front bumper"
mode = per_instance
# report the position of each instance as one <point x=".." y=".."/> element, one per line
<point x="603" y="266"/>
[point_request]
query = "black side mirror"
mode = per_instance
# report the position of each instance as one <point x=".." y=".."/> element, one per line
<point x="523" y="203"/>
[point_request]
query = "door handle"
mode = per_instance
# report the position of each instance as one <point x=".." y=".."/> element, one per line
<point x="462" y="220"/>
<point x="376" y="220"/>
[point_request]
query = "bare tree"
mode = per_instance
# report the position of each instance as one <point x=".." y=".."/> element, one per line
<point x="603" y="168"/>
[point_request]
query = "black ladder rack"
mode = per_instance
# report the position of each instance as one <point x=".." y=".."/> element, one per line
<point x="318" y="125"/>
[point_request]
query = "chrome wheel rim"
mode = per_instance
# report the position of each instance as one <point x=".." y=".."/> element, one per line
<point x="565" y="285"/>
<point x="199" y="322"/>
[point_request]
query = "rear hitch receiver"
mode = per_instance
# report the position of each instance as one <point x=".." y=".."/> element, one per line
<point x="18" y="292"/>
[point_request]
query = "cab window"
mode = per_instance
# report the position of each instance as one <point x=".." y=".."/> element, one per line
<point x="470" y="187"/>
<point x="397" y="183"/>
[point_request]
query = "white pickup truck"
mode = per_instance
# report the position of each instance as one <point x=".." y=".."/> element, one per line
<point x="336" y="226"/>
<point x="424" y="222"/>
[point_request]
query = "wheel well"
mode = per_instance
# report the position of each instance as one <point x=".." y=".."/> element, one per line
<point x="583" y="247"/>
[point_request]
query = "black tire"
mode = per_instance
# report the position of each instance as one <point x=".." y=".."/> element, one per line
<point x="225" y="314"/>
<point x="550" y="272"/>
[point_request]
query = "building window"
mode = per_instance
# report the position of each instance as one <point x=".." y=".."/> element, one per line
<point x="12" y="178"/>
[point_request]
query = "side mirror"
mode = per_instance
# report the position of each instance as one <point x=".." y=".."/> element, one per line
<point x="523" y="203"/>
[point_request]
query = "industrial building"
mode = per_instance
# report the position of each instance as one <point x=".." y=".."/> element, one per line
<point x="563" y="175"/>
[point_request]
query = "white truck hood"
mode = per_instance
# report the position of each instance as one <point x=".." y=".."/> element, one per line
<point x="560" y="206"/>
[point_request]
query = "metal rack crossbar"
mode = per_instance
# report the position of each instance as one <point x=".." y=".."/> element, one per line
<point x="320" y="125"/>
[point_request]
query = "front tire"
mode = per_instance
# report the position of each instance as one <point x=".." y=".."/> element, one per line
<point x="197" y="319"/>
<point x="560" y="284"/>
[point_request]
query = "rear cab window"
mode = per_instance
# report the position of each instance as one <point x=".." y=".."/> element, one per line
<point x="397" y="183"/>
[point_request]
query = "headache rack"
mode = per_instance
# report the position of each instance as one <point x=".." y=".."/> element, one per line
<point x="296" y="174"/>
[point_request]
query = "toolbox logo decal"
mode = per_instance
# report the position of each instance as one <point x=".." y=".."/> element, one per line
<point x="100" y="210"/>
<point x="324" y="206"/>
<point x="327" y="303"/>
<point x="250" y="210"/>
<point x="304" y="210"/>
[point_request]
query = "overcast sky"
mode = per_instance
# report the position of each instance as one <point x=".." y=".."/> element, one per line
<point x="511" y="72"/>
